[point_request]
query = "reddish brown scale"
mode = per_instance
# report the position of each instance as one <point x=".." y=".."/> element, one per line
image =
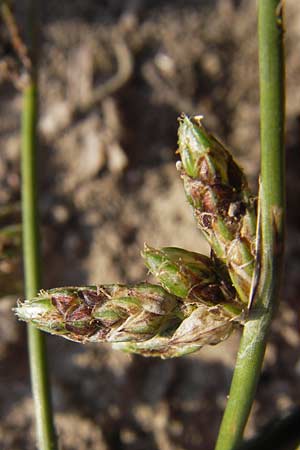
<point x="92" y="298"/>
<point x="62" y="303"/>
<point x="82" y="312"/>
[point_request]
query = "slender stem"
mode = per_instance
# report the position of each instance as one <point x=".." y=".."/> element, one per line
<point x="37" y="350"/>
<point x="36" y="342"/>
<point x="272" y="200"/>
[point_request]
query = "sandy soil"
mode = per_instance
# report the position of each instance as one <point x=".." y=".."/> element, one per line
<point x="114" y="78"/>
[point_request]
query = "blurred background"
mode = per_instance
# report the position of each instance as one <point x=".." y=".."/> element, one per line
<point x="114" y="77"/>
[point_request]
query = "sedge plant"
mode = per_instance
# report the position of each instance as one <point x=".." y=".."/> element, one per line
<point x="198" y="300"/>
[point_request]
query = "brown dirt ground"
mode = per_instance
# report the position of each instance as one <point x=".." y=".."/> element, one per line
<point x="114" y="77"/>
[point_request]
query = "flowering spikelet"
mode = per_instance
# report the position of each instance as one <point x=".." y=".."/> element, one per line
<point x="143" y="318"/>
<point x="223" y="206"/>
<point x="193" y="277"/>
<point x="200" y="300"/>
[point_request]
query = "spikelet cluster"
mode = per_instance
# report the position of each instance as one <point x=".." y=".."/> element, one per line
<point x="199" y="300"/>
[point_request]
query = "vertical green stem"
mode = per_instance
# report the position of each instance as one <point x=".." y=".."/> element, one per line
<point x="272" y="200"/>
<point x="36" y="342"/>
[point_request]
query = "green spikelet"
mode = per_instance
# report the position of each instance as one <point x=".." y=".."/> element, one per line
<point x="193" y="277"/>
<point x="223" y="206"/>
<point x="143" y="318"/>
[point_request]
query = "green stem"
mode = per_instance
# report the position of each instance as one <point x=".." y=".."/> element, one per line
<point x="36" y="341"/>
<point x="272" y="201"/>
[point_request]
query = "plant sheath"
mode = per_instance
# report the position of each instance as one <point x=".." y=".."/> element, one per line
<point x="272" y="202"/>
<point x="36" y="342"/>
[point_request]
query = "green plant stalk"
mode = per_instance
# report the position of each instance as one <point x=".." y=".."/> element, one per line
<point x="37" y="351"/>
<point x="36" y="340"/>
<point x="272" y="202"/>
